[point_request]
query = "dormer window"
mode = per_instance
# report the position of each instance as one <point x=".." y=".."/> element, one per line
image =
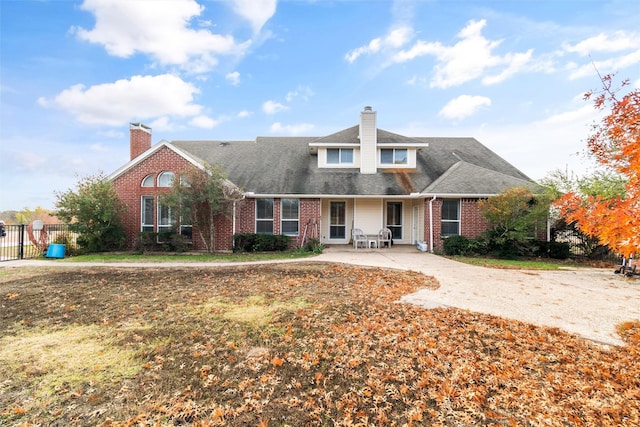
<point x="339" y="156"/>
<point x="394" y="156"/>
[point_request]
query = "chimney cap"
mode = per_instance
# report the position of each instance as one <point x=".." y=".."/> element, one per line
<point x="140" y="126"/>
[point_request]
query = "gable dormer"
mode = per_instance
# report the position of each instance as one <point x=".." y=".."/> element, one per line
<point x="366" y="147"/>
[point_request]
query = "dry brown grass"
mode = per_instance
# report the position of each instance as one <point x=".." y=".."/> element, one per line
<point x="299" y="344"/>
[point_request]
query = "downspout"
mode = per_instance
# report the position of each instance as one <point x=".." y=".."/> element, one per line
<point x="431" y="223"/>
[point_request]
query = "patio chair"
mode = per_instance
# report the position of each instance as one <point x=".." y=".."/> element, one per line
<point x="384" y="237"/>
<point x="359" y="238"/>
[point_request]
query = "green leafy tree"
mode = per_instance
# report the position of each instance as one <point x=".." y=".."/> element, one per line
<point x="601" y="183"/>
<point x="200" y="197"/>
<point x="515" y="216"/>
<point x="94" y="211"/>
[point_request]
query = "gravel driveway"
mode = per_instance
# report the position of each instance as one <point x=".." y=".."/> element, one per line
<point x="588" y="302"/>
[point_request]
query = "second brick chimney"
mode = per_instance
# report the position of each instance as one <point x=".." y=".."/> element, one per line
<point x="139" y="139"/>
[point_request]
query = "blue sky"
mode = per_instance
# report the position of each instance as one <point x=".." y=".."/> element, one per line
<point x="512" y="74"/>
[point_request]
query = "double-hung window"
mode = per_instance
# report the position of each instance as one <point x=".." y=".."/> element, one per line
<point x="264" y="216"/>
<point x="339" y="156"/>
<point x="394" y="156"/>
<point x="450" y="225"/>
<point x="290" y="220"/>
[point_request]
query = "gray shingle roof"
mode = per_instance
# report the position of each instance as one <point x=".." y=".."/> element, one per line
<point x="284" y="165"/>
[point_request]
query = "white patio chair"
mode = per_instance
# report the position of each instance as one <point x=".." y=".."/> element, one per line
<point x="359" y="238"/>
<point x="384" y="237"/>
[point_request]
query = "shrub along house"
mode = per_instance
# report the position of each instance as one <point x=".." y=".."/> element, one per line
<point x="422" y="188"/>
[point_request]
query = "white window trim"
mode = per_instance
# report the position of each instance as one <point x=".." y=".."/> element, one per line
<point x="283" y="219"/>
<point x="407" y="163"/>
<point x="161" y="175"/>
<point x="340" y="161"/>
<point x="148" y="181"/>
<point x="265" y="219"/>
<point x="142" y="212"/>
<point x="458" y="221"/>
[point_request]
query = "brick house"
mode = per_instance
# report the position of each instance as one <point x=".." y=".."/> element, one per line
<point x="422" y="188"/>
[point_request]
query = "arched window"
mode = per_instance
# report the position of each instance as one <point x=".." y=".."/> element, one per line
<point x="165" y="179"/>
<point x="148" y="180"/>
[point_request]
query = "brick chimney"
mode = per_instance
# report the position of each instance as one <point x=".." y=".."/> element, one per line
<point x="139" y="139"/>
<point x="368" y="141"/>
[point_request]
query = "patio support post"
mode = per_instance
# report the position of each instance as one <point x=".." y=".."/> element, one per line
<point x="431" y="223"/>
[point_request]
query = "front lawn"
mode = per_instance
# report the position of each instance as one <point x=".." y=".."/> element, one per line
<point x="520" y="264"/>
<point x="288" y="345"/>
<point x="188" y="257"/>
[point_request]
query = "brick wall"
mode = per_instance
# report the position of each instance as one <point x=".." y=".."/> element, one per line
<point x="129" y="187"/>
<point x="309" y="213"/>
<point x="472" y="223"/>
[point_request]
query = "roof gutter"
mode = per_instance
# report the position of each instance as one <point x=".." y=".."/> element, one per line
<point x="252" y="194"/>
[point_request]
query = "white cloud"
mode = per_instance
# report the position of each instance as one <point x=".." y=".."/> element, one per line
<point x="244" y="113"/>
<point x="233" y="78"/>
<point x="257" y="12"/>
<point x="272" y="107"/>
<point x="140" y="98"/>
<point x="303" y="92"/>
<point x="396" y="38"/>
<point x="514" y="63"/>
<point x="464" y="106"/>
<point x="468" y="59"/>
<point x="612" y="64"/>
<point x="204" y="122"/>
<point x="297" y="129"/>
<point x="162" y="124"/>
<point x="160" y="29"/>
<point x="616" y="42"/>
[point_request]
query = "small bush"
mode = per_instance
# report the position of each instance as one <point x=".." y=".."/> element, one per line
<point x="555" y="250"/>
<point x="252" y="242"/>
<point x="314" y="245"/>
<point x="457" y="245"/>
<point x="67" y="240"/>
<point x="166" y="241"/>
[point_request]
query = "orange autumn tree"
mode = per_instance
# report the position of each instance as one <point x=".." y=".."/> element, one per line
<point x="615" y="144"/>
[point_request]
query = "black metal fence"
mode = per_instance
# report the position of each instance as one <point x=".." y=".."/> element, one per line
<point x="26" y="241"/>
<point x="584" y="247"/>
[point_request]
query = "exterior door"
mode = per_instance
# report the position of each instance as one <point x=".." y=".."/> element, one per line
<point x="338" y="221"/>
<point x="394" y="219"/>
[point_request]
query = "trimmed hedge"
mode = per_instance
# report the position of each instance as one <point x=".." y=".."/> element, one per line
<point x="252" y="242"/>
<point x="486" y="245"/>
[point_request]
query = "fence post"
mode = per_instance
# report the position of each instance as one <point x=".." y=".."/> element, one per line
<point x="21" y="242"/>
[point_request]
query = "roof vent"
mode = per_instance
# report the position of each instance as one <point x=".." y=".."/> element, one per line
<point x="224" y="144"/>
